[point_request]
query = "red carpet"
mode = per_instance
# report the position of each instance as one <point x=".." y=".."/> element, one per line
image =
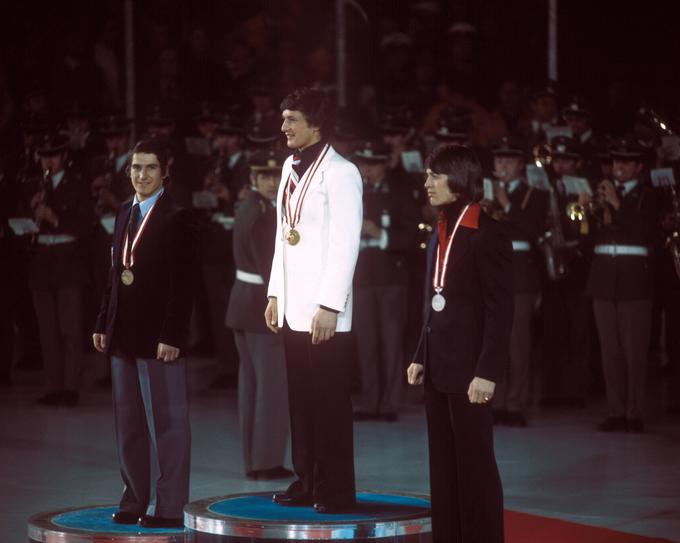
<point x="524" y="528"/>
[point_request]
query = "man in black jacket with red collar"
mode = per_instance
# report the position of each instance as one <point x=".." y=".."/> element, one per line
<point x="463" y="350"/>
<point x="143" y="324"/>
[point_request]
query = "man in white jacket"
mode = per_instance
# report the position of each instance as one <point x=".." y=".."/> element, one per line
<point x="319" y="217"/>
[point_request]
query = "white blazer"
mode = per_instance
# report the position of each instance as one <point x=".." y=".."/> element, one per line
<point x="319" y="269"/>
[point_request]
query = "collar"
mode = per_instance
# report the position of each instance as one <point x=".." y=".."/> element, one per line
<point x="147" y="204"/>
<point x="56" y="179"/>
<point x="121" y="161"/>
<point x="452" y="211"/>
<point x="511" y="186"/>
<point x="308" y="155"/>
<point x="628" y="186"/>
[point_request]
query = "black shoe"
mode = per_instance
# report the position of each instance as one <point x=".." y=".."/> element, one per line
<point x="123" y="517"/>
<point x="159" y="522"/>
<point x="635" y="426"/>
<point x="612" y="424"/>
<point x="279" y="472"/>
<point x="69" y="398"/>
<point x="516" y="419"/>
<point x="53" y="398"/>
<point x="333" y="508"/>
<point x="283" y="498"/>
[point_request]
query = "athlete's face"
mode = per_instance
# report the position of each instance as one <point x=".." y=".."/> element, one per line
<point x="438" y="190"/>
<point x="146" y="175"/>
<point x="299" y="133"/>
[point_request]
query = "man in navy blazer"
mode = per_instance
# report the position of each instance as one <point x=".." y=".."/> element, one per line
<point x="143" y="325"/>
<point x="463" y="349"/>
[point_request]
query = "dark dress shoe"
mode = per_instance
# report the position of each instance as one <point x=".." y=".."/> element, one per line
<point x="279" y="472"/>
<point x="53" y="398"/>
<point x="160" y="522"/>
<point x="612" y="424"/>
<point x="283" y="498"/>
<point x="123" y="517"/>
<point x="333" y="508"/>
<point x="635" y="426"/>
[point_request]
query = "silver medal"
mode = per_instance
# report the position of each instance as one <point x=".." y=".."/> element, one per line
<point x="438" y="302"/>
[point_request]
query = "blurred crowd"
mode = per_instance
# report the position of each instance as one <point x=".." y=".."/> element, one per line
<point x="585" y="186"/>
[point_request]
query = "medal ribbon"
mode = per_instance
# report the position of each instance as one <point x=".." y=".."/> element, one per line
<point x="439" y="279"/>
<point x="129" y="252"/>
<point x="292" y="218"/>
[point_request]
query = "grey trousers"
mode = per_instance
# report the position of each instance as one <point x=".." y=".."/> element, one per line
<point x="262" y="399"/>
<point x="153" y="434"/>
<point x="624" y="328"/>
<point x="513" y="393"/>
<point x="60" y="324"/>
<point x="380" y="318"/>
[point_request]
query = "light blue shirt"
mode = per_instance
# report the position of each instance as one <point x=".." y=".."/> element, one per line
<point x="147" y="204"/>
<point x="56" y="179"/>
<point x="628" y="186"/>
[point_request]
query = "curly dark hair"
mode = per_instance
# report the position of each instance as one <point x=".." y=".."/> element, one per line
<point x="314" y="104"/>
<point x="462" y="168"/>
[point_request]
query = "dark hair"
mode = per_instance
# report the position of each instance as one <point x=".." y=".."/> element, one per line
<point x="154" y="147"/>
<point x="314" y="105"/>
<point x="461" y="167"/>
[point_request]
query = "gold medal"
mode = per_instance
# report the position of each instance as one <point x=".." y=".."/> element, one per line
<point x="127" y="277"/>
<point x="293" y="236"/>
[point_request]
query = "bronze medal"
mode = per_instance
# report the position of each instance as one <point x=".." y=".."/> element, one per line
<point x="293" y="236"/>
<point x="127" y="277"/>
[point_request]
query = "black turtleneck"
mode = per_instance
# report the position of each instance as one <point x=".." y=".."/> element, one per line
<point x="452" y="211"/>
<point x="308" y="155"/>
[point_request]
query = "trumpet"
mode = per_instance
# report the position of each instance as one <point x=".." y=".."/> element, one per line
<point x="596" y="207"/>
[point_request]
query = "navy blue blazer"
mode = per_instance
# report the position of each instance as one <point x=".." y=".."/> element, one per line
<point x="471" y="336"/>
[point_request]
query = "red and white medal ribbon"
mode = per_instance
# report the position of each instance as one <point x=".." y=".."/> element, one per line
<point x="293" y="216"/>
<point x="439" y="278"/>
<point x="129" y="252"/>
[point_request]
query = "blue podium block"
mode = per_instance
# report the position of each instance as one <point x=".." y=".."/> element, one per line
<point x="255" y="518"/>
<point x="93" y="524"/>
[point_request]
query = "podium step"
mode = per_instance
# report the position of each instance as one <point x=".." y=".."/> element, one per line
<point x="93" y="524"/>
<point x="250" y="518"/>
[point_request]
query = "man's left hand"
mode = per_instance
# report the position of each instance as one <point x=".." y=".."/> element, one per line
<point x="167" y="353"/>
<point x="323" y="326"/>
<point x="481" y="390"/>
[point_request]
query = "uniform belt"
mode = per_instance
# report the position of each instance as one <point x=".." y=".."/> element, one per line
<point x="55" y="239"/>
<point x="521" y="246"/>
<point x="247" y="277"/>
<point x="624" y="250"/>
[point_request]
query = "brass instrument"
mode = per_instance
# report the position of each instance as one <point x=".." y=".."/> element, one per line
<point x="596" y="208"/>
<point x="424" y="231"/>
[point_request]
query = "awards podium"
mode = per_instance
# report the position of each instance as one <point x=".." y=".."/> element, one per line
<point x="249" y="518"/>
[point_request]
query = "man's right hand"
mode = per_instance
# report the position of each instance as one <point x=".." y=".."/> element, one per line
<point x="100" y="342"/>
<point x="415" y="373"/>
<point x="271" y="315"/>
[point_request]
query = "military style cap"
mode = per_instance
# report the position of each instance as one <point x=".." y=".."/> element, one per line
<point x="114" y="124"/>
<point x="577" y="106"/>
<point x="627" y="149"/>
<point x="266" y="160"/>
<point x="230" y="124"/>
<point x="158" y="115"/>
<point x="508" y="147"/>
<point x="372" y="151"/>
<point x="543" y="89"/>
<point x="51" y="143"/>
<point x="205" y="111"/>
<point x="563" y="146"/>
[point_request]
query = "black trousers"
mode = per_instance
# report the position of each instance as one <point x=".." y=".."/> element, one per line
<point x="465" y="487"/>
<point x="322" y="437"/>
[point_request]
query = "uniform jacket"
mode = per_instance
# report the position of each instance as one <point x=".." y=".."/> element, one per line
<point x="625" y="277"/>
<point x="392" y="208"/>
<point x="254" y="232"/>
<point x="156" y="308"/>
<point x="319" y="269"/>
<point x="62" y="265"/>
<point x="471" y="336"/>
